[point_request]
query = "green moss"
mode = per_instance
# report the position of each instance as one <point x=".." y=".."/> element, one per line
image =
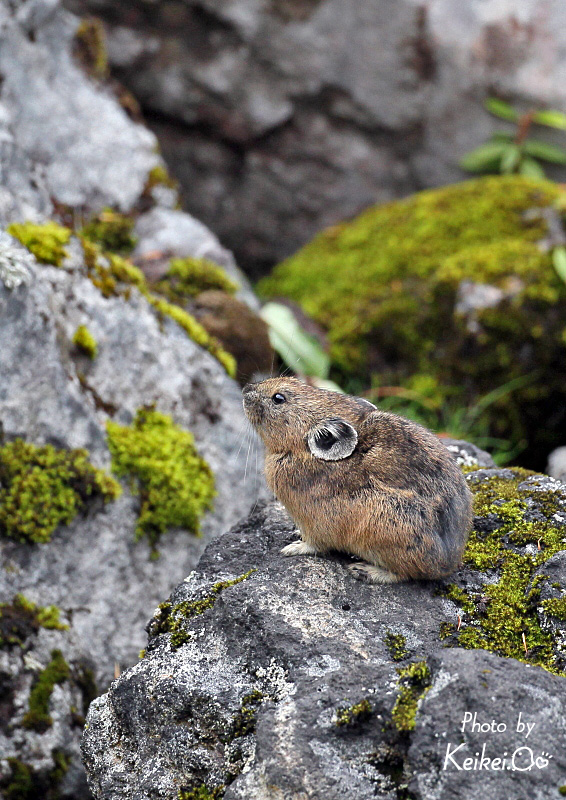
<point x="196" y="332"/>
<point x="188" y="277"/>
<point x="85" y="341"/>
<point x="62" y="764"/>
<point x="414" y="683"/>
<point x="159" y="176"/>
<point x="112" y="231"/>
<point x="115" y="276"/>
<point x="202" y="793"/>
<point x="562" y="790"/>
<point x="90" y="48"/>
<point x="57" y="671"/>
<point x="84" y="678"/>
<point x="385" y="286"/>
<point x="556" y="607"/>
<point x="44" y="487"/>
<point x="245" y="720"/>
<point x="46" y="242"/>
<point x="22" y="785"/>
<point x="502" y="617"/>
<point x="21" y="618"/>
<point x="349" y="716"/>
<point x="397" y="645"/>
<point x="175" y="484"/>
<point x="173" y="618"/>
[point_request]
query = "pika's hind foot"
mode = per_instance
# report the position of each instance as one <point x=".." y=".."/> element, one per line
<point x="299" y="548"/>
<point x="372" y="574"/>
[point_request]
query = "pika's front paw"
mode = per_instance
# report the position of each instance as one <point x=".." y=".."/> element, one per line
<point x="372" y="574"/>
<point x="298" y="548"/>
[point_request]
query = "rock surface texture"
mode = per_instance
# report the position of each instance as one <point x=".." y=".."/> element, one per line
<point x="282" y="118"/>
<point x="67" y="150"/>
<point x="270" y="677"/>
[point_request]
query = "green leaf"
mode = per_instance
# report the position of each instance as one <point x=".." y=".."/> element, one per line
<point x="559" y="261"/>
<point x="551" y="118"/>
<point x="501" y="109"/>
<point x="502" y="136"/>
<point x="544" y="151"/>
<point x="483" y="158"/>
<point x="531" y="168"/>
<point x="300" y="351"/>
<point x="510" y="159"/>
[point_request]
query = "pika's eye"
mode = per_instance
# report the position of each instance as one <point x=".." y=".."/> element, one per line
<point x="278" y="398"/>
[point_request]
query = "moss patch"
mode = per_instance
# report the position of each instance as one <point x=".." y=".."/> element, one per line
<point x="85" y="341"/>
<point x="556" y="607"/>
<point x="115" y="276"/>
<point x="57" y="671"/>
<point x="21" y="618"/>
<point x="46" y="242"/>
<point x="176" y="485"/>
<point x="397" y="645"/>
<point x="44" y="487"/>
<point x="245" y="720"/>
<point x="188" y="277"/>
<point x="24" y="783"/>
<point x="349" y="716"/>
<point x="90" y="48"/>
<point x="172" y="619"/>
<point x="202" y="793"/>
<point x="514" y="534"/>
<point x="385" y="287"/>
<point x="114" y="232"/>
<point x="414" y="683"/>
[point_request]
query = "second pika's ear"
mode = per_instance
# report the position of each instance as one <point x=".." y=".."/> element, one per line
<point x="332" y="439"/>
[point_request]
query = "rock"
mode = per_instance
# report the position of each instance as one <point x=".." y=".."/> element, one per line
<point x="94" y="569"/>
<point x="179" y="235"/>
<point x="267" y="676"/>
<point x="283" y="118"/>
<point x="557" y="464"/>
<point x="90" y="154"/>
<point x="468" y="454"/>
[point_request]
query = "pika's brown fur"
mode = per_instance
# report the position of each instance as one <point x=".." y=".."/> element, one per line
<point x="361" y="481"/>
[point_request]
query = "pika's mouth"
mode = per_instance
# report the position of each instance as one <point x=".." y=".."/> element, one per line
<point x="253" y="407"/>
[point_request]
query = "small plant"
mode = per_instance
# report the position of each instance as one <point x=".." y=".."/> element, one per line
<point x="517" y="152"/>
<point x="300" y="351"/>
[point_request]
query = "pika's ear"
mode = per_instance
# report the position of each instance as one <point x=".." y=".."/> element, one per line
<point x="332" y="439"/>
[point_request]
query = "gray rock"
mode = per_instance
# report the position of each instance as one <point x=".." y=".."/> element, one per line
<point x="557" y="464"/>
<point x="468" y="454"/>
<point x="282" y="118"/>
<point x="91" y="154"/>
<point x="286" y="685"/>
<point x="94" y="569"/>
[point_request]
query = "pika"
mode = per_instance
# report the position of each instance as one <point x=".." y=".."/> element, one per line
<point x="361" y="481"/>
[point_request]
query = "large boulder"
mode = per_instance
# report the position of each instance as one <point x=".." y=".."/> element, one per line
<point x="101" y="380"/>
<point x="285" y="117"/>
<point x="451" y="296"/>
<point x="270" y="677"/>
<point x="55" y="392"/>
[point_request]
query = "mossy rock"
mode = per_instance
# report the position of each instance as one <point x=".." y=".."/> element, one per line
<point x="175" y="484"/>
<point x="388" y="287"/>
<point x="44" y="487"/>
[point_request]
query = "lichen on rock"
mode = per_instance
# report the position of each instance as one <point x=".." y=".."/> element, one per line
<point x="42" y="487"/>
<point x="176" y="485"/>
